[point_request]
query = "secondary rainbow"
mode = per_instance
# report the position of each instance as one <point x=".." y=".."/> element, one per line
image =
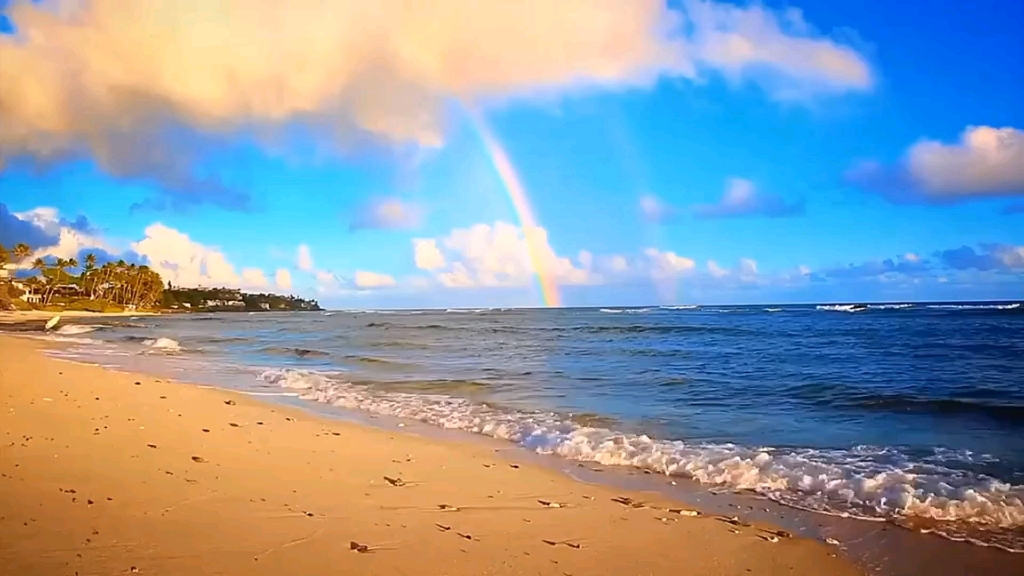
<point x="521" y="204"/>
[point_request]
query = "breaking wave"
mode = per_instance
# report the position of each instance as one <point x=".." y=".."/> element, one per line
<point x="865" y="482"/>
<point x="72" y="329"/>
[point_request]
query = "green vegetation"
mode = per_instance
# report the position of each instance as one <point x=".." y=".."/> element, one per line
<point x="231" y="300"/>
<point x="117" y="286"/>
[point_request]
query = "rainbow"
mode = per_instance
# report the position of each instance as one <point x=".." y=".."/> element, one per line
<point x="521" y="204"/>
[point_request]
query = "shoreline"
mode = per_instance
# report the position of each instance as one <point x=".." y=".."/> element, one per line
<point x="31" y="316"/>
<point x="278" y="488"/>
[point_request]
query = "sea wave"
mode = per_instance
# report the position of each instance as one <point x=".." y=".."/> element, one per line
<point x="625" y="310"/>
<point x="866" y="482"/>
<point x="72" y="329"/>
<point x="1013" y="306"/>
<point x="842" y="307"/>
<point x="681" y="307"/>
<point x="162" y="344"/>
<point x="290" y="351"/>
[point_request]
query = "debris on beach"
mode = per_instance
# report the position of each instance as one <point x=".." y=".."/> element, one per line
<point x="550" y="504"/>
<point x="394" y="481"/>
<point x="361" y="548"/>
<point x="683" y="512"/>
<point x="442" y="527"/>
<point x="198" y="459"/>
<point x="448" y="508"/>
<point x="627" y="501"/>
<point x="735" y="521"/>
<point x="563" y="542"/>
<point x="832" y="541"/>
<point x="229" y="402"/>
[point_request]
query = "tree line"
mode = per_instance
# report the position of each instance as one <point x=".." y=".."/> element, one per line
<point x="124" y="285"/>
<point x="117" y="283"/>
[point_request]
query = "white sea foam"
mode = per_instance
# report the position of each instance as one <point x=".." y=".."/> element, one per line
<point x="163" y="344"/>
<point x="65" y="339"/>
<point x="890" y="306"/>
<point x="72" y="329"/>
<point x="1013" y="306"/>
<point x="864" y="482"/>
<point x="773" y="309"/>
<point x="840" y="307"/>
<point x="680" y="307"/>
<point x="625" y="310"/>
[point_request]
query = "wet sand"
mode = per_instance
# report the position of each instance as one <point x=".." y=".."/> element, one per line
<point x="105" y="472"/>
<point x="41" y="316"/>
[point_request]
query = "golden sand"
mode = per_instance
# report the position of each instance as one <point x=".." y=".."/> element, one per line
<point x="104" y="472"/>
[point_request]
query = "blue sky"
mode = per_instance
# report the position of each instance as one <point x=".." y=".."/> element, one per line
<point x="691" y="152"/>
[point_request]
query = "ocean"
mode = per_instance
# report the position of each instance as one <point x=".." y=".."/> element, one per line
<point x="911" y="414"/>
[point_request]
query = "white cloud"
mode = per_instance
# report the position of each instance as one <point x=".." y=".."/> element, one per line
<point x="427" y="255"/>
<point x="748" y="269"/>
<point x="283" y="279"/>
<point x="388" y="214"/>
<point x="304" y="258"/>
<point x="59" y="238"/>
<point x="501" y="254"/>
<point x="986" y="162"/>
<point x="254" y="278"/>
<point x="185" y="262"/>
<point x="744" y="42"/>
<point x="98" y="78"/>
<point x="664" y="265"/>
<point x="365" y="280"/>
<point x="715" y="270"/>
<point x="741" y="198"/>
<point x="653" y="209"/>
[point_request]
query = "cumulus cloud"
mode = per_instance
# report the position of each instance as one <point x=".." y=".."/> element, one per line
<point x="144" y="88"/>
<point x="986" y="162"/>
<point x="185" y="262"/>
<point x="16" y="230"/>
<point x="990" y="257"/>
<point x="663" y="265"/>
<point x="365" y="280"/>
<point x="49" y="234"/>
<point x="283" y="279"/>
<point x="387" y="214"/>
<point x="304" y="258"/>
<point x="427" y="255"/>
<point x="741" y="198"/>
<point x="498" y="255"/>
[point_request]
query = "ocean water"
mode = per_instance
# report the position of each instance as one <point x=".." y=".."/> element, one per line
<point x="906" y="413"/>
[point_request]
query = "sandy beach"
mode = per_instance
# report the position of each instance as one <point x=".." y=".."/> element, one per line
<point x="107" y="473"/>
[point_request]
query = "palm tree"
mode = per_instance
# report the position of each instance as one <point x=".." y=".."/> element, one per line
<point x="4" y="256"/>
<point x="21" y="252"/>
<point x="87" y="274"/>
